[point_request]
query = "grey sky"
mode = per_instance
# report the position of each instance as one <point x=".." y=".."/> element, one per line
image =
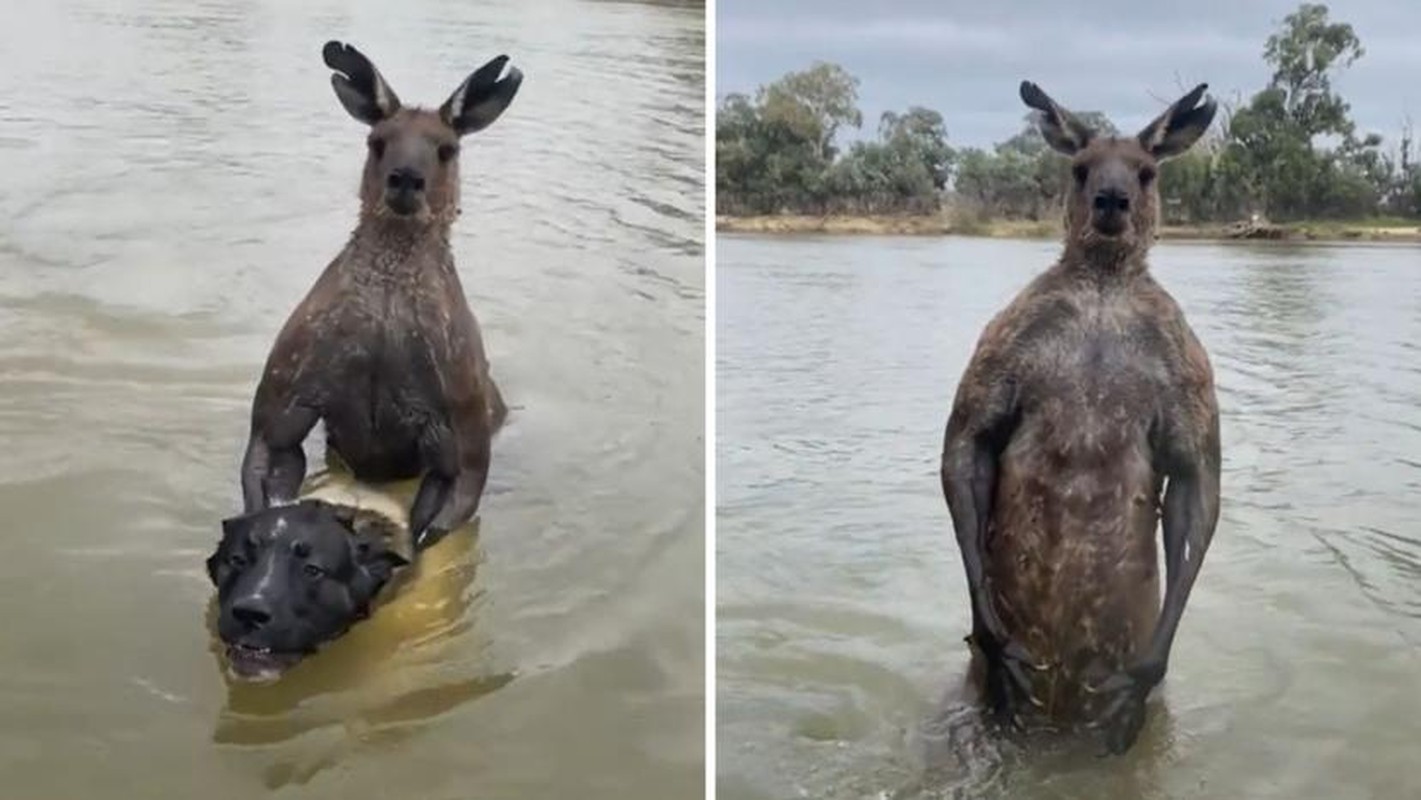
<point x="1127" y="59"/>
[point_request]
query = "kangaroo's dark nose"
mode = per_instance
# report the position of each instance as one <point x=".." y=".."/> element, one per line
<point x="253" y="612"/>
<point x="405" y="179"/>
<point x="1111" y="200"/>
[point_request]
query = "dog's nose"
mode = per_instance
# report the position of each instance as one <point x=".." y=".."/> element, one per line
<point x="252" y="612"/>
<point x="405" y="179"/>
<point x="1111" y="200"/>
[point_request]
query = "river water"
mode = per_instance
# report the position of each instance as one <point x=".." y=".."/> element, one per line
<point x="841" y="599"/>
<point x="176" y="176"/>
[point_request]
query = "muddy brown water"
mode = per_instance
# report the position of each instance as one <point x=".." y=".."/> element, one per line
<point x="175" y="177"/>
<point x="841" y="599"/>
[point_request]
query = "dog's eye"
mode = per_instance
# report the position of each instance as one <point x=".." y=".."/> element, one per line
<point x="313" y="571"/>
<point x="377" y="146"/>
<point x="447" y="152"/>
<point x="236" y="560"/>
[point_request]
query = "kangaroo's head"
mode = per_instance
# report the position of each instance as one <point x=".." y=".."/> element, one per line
<point x="412" y="169"/>
<point x="1113" y="204"/>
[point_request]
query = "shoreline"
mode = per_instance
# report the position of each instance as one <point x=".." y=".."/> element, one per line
<point x="945" y="225"/>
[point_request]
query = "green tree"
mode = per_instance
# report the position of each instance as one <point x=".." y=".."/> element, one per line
<point x="919" y="135"/>
<point x="1303" y="55"/>
<point x="815" y="104"/>
<point x="763" y="165"/>
<point x="776" y="153"/>
<point x="1291" y="151"/>
<point x="1274" y="140"/>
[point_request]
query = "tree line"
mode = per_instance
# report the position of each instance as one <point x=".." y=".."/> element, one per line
<point x="1290" y="152"/>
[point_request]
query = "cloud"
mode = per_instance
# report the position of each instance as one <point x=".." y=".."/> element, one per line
<point x="874" y="35"/>
<point x="1120" y="56"/>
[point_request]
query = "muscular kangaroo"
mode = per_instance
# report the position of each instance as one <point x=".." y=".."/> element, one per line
<point x="384" y="349"/>
<point x="1085" y="416"/>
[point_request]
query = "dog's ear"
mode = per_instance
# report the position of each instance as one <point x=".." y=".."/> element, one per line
<point x="345" y="515"/>
<point x="234" y="529"/>
<point x="374" y="553"/>
<point x="375" y="563"/>
<point x="213" y="562"/>
<point x="237" y="527"/>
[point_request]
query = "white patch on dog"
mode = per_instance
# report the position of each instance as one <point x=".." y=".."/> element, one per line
<point x="341" y="489"/>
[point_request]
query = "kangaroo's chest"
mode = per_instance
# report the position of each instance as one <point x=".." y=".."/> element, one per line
<point x="383" y="370"/>
<point x="1100" y="370"/>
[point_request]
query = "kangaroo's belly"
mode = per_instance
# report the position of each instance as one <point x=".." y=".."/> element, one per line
<point x="385" y="418"/>
<point x="1071" y="554"/>
<point x="375" y="448"/>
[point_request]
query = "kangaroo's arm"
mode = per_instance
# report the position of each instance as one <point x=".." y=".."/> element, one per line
<point x="457" y="453"/>
<point x="282" y="413"/>
<point x="1191" y="514"/>
<point x="984" y="417"/>
<point x="982" y="420"/>
<point x="275" y="460"/>
<point x="449" y="494"/>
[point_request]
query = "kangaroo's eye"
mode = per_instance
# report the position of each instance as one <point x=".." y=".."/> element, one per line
<point x="1147" y="175"/>
<point x="447" y="152"/>
<point x="377" y="146"/>
<point x="1081" y="172"/>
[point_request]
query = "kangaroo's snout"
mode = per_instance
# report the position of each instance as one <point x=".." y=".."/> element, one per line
<point x="404" y="188"/>
<point x="1110" y="210"/>
<point x="1109" y="200"/>
<point x="405" y="180"/>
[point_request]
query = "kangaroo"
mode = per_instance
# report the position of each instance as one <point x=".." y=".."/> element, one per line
<point x="384" y="348"/>
<point x="1086" y="413"/>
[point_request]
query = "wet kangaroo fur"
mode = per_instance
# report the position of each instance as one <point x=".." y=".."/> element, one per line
<point x="384" y="348"/>
<point x="1086" y="416"/>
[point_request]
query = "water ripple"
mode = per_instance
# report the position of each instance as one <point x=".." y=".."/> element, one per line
<point x="842" y="599"/>
<point x="177" y="175"/>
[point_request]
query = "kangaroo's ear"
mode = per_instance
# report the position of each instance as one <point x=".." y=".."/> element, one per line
<point x="1180" y="126"/>
<point x="359" y="86"/>
<point x="482" y="97"/>
<point x="1062" y="130"/>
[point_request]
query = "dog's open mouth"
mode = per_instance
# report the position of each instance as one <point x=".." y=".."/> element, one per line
<point x="259" y="664"/>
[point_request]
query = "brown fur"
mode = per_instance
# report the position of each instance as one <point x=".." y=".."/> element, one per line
<point x="384" y="348"/>
<point x="442" y="189"/>
<point x="1085" y="395"/>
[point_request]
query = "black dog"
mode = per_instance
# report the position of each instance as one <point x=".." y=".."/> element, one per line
<point x="291" y="578"/>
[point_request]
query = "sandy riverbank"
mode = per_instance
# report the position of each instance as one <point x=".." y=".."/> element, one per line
<point x="944" y="225"/>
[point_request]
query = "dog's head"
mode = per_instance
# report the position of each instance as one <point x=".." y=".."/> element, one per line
<point x="291" y="578"/>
